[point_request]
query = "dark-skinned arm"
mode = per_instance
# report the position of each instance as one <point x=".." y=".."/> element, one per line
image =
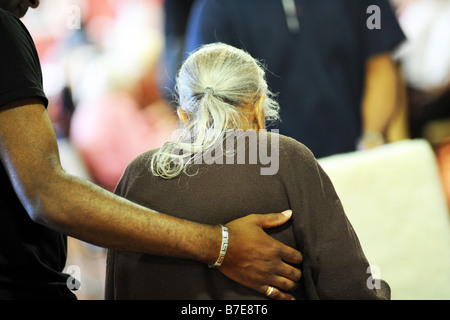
<point x="78" y="208"/>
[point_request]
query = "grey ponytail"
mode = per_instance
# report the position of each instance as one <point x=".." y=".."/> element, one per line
<point x="213" y="86"/>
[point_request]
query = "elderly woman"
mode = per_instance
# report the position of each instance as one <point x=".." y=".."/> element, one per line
<point x="223" y="164"/>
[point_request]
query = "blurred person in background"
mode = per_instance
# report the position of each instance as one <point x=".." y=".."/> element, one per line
<point x="425" y="59"/>
<point x="120" y="112"/>
<point x="100" y="61"/>
<point x="176" y="17"/>
<point x="333" y="70"/>
<point x="41" y="203"/>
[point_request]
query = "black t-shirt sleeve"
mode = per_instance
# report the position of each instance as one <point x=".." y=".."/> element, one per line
<point x="388" y="33"/>
<point x="21" y="74"/>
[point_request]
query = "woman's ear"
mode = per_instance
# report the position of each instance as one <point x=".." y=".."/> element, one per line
<point x="259" y="113"/>
<point x="182" y="115"/>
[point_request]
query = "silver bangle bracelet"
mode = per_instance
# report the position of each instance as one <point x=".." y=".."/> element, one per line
<point x="223" y="248"/>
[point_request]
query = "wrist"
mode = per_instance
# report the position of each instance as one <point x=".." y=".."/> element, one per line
<point x="371" y="139"/>
<point x="208" y="245"/>
<point x="223" y="248"/>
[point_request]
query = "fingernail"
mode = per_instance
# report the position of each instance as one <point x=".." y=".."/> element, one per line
<point x="287" y="213"/>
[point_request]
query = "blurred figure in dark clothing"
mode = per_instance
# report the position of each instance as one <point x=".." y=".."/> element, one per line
<point x="175" y="24"/>
<point x="330" y="61"/>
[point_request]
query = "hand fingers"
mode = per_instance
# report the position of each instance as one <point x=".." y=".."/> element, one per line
<point x="268" y="260"/>
<point x="279" y="295"/>
<point x="272" y="220"/>
<point x="273" y="293"/>
<point x="286" y="278"/>
<point x="287" y="275"/>
<point x="290" y="255"/>
<point x="286" y="281"/>
<point x="290" y="273"/>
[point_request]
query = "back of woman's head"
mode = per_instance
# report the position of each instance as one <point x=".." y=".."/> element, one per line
<point x="216" y="86"/>
<point x="221" y="73"/>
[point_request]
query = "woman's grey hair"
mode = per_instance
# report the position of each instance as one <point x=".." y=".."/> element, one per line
<point x="215" y="87"/>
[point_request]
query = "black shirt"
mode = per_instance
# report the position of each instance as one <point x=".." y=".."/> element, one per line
<point x="318" y="72"/>
<point x="32" y="256"/>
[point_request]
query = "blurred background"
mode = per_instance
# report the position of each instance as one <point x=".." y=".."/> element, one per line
<point x="108" y="70"/>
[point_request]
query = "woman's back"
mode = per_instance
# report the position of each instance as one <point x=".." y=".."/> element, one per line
<point x="334" y="265"/>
